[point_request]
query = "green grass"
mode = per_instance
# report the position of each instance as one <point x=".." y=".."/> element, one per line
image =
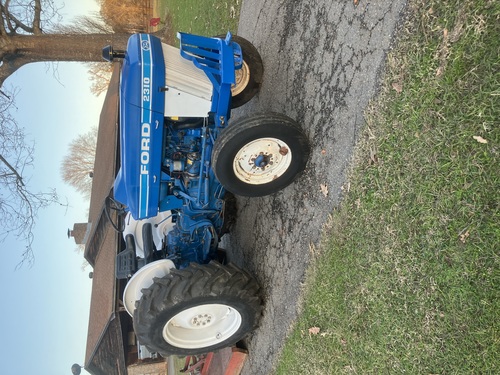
<point x="408" y="280"/>
<point x="203" y="17"/>
<point x="179" y="363"/>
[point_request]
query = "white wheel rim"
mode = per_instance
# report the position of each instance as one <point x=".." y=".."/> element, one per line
<point x="261" y="161"/>
<point x="242" y="78"/>
<point x="202" y="326"/>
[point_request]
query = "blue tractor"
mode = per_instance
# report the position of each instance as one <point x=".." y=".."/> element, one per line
<point x="181" y="161"/>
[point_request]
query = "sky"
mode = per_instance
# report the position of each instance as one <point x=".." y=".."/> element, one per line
<point x="44" y="315"/>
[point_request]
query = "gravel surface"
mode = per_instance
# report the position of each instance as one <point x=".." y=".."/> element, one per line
<point x="322" y="61"/>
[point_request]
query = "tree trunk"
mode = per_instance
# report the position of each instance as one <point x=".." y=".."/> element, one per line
<point x="63" y="47"/>
<point x="16" y="51"/>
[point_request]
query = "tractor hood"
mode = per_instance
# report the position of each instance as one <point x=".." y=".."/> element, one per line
<point x="142" y="102"/>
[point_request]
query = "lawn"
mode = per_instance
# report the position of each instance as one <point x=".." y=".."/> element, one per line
<point x="203" y="17"/>
<point x="408" y="280"/>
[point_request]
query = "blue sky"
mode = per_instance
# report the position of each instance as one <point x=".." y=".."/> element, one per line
<point x="44" y="318"/>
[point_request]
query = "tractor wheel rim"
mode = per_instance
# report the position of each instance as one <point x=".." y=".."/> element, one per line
<point x="242" y="78"/>
<point x="262" y="161"/>
<point x="202" y="326"/>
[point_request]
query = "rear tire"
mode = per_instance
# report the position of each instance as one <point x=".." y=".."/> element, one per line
<point x="260" y="155"/>
<point x="197" y="310"/>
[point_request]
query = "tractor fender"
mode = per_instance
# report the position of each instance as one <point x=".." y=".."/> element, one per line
<point x="142" y="279"/>
<point x="162" y="224"/>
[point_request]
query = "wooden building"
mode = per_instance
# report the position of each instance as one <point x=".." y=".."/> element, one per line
<point x="111" y="345"/>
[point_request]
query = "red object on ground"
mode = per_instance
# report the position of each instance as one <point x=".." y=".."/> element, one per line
<point x="154" y="21"/>
<point x="236" y="362"/>
<point x="227" y="361"/>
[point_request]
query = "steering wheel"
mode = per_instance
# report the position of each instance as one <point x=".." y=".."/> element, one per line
<point x="112" y="205"/>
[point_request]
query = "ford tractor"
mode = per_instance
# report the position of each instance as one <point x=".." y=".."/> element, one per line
<point x="182" y="161"/>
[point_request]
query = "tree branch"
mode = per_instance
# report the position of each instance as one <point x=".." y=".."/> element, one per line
<point x="12" y="22"/>
<point x="4" y="94"/>
<point x="2" y="24"/>
<point x="37" y="29"/>
<point x="10" y="65"/>
<point x="14" y="171"/>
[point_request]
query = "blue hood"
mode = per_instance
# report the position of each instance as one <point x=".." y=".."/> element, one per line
<point x="142" y="102"/>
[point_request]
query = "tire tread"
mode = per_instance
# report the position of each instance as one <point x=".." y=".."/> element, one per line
<point x="211" y="281"/>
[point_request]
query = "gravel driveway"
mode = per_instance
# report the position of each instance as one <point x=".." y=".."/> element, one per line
<point x="322" y="61"/>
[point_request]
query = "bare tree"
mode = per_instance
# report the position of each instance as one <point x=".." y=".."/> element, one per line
<point x="19" y="205"/>
<point x="99" y="75"/>
<point x="78" y="164"/>
<point x="115" y="16"/>
<point x="124" y="15"/>
<point x="120" y="16"/>
<point x="28" y="34"/>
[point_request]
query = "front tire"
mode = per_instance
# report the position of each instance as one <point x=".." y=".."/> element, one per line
<point x="260" y="155"/>
<point x="197" y="310"/>
<point x="250" y="76"/>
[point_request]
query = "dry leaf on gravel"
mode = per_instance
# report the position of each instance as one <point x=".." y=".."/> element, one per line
<point x="324" y="189"/>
